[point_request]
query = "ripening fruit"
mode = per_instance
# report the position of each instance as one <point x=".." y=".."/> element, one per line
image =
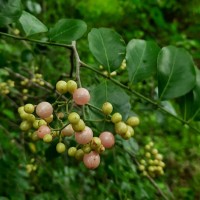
<point x="81" y="96"/>
<point x="44" y="109"/>
<point x="42" y="122"/>
<point x="72" y="151"/>
<point x="116" y="117"/>
<point x="67" y="131"/>
<point x="107" y="139"/>
<point x="71" y="86"/>
<point x="86" y="148"/>
<point x="91" y="160"/>
<point x="29" y="108"/>
<point x="61" y="87"/>
<point x="73" y="118"/>
<point x="107" y="108"/>
<point x="43" y="130"/>
<point x="25" y="125"/>
<point x="85" y="136"/>
<point x="133" y="121"/>
<point x="47" y="138"/>
<point x="80" y="126"/>
<point x="121" y="128"/>
<point x="95" y="142"/>
<point x="60" y="147"/>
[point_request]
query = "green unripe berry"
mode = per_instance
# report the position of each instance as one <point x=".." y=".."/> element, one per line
<point x="147" y="147"/>
<point x="36" y="124"/>
<point x="121" y="128"/>
<point x="141" y="167"/>
<point x="29" y="108"/>
<point x="148" y="155"/>
<point x="79" y="154"/>
<point x="42" y="122"/>
<point x="151" y="144"/>
<point x="86" y="148"/>
<point x="154" y="151"/>
<point x="30" y="118"/>
<point x="49" y="119"/>
<point x="116" y="117"/>
<point x="61" y="87"/>
<point x="133" y="121"/>
<point x="127" y="135"/>
<point x="162" y="164"/>
<point x="107" y="108"/>
<point x="159" y="157"/>
<point x="47" y="138"/>
<point x="34" y="136"/>
<point x="95" y="142"/>
<point x="71" y="86"/>
<point x="25" y="125"/>
<point x="72" y="151"/>
<point x="73" y="118"/>
<point x="21" y="109"/>
<point x="143" y="162"/>
<point x="60" y="147"/>
<point x="24" y="115"/>
<point x="80" y="126"/>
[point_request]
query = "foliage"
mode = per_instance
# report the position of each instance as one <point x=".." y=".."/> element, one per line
<point x="159" y="84"/>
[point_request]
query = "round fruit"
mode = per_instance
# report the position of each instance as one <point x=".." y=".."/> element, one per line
<point x="29" y="108"/>
<point x="85" y="136"/>
<point x="60" y="147"/>
<point x="71" y="86"/>
<point x="121" y="128"/>
<point x="80" y="126"/>
<point x="42" y="122"/>
<point x="49" y="119"/>
<point x="44" y="109"/>
<point x="107" y="108"/>
<point x="25" y="125"/>
<point x="116" y="117"/>
<point x="81" y="96"/>
<point x="91" y="160"/>
<point x="30" y="118"/>
<point x="43" y="130"/>
<point x="47" y="138"/>
<point x="35" y="124"/>
<point x="61" y="87"/>
<point x="72" y="151"/>
<point x="86" y="148"/>
<point x="107" y="139"/>
<point x="95" y="142"/>
<point x="21" y="109"/>
<point x="73" y="118"/>
<point x="79" y="154"/>
<point x="34" y="136"/>
<point x="133" y="121"/>
<point x="67" y="131"/>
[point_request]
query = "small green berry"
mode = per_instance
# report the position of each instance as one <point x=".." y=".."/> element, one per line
<point x="73" y="118"/>
<point x="116" y="117"/>
<point x="60" y="147"/>
<point x="107" y="108"/>
<point x="29" y="108"/>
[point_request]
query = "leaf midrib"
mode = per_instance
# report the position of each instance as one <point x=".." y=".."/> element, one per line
<point x="170" y="76"/>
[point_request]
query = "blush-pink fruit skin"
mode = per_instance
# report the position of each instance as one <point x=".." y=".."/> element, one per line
<point x="91" y="160"/>
<point x="84" y="136"/>
<point x="43" y="130"/>
<point x="44" y="109"/>
<point x="107" y="139"/>
<point x="81" y="96"/>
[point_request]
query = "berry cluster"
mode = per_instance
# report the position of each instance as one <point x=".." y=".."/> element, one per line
<point x="48" y="123"/>
<point x="5" y="87"/>
<point x="153" y="164"/>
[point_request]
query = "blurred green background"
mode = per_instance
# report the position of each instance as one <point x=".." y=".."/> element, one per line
<point x="59" y="177"/>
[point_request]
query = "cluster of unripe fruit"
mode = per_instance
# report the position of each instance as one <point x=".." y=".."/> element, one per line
<point x="89" y="147"/>
<point x="153" y="164"/>
<point x="37" y="78"/>
<point x="6" y="86"/>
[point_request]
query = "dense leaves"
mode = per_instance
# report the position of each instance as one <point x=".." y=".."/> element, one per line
<point x="176" y="73"/>
<point x="67" y="30"/>
<point x="141" y="57"/>
<point x="107" y="47"/>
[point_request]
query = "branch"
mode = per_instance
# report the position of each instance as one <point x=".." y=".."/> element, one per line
<point x="158" y="106"/>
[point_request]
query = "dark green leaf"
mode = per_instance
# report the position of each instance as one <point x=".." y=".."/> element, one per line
<point x="67" y="30"/>
<point x="107" y="47"/>
<point x="31" y="25"/>
<point x="10" y="11"/>
<point x="176" y="73"/>
<point x="141" y="58"/>
<point x="190" y="103"/>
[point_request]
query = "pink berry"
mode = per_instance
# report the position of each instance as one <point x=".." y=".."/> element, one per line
<point x="84" y="136"/>
<point x="107" y="139"/>
<point x="81" y="96"/>
<point x="44" y="109"/>
<point x="67" y="131"/>
<point x="91" y="160"/>
<point x="43" y="130"/>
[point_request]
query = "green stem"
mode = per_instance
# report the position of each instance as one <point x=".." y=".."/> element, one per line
<point x="36" y="41"/>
